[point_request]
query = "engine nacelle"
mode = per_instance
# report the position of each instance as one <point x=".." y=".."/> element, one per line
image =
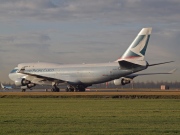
<point x="21" y="82"/>
<point x="18" y="82"/>
<point x="122" y="81"/>
<point x="30" y="85"/>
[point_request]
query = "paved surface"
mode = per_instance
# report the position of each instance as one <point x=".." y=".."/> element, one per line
<point x="108" y="92"/>
<point x="94" y="90"/>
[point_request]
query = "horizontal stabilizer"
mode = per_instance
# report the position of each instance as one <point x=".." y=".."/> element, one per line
<point x="159" y="63"/>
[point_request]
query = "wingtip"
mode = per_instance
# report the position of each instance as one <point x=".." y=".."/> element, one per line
<point x="172" y="71"/>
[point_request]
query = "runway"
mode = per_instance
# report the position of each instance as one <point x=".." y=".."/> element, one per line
<point x="96" y="90"/>
<point x="98" y="93"/>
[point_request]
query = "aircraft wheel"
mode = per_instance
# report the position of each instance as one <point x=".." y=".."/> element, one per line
<point x="53" y="90"/>
<point x="23" y="90"/>
<point x="81" y="88"/>
<point x="70" y="88"/>
<point x="57" y="89"/>
<point x="67" y="90"/>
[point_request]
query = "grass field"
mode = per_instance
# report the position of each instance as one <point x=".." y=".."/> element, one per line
<point x="51" y="116"/>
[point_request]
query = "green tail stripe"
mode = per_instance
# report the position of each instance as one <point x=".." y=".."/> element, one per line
<point x="143" y="51"/>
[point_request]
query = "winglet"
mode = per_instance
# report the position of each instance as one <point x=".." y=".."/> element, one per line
<point x="2" y="86"/>
<point x="172" y="71"/>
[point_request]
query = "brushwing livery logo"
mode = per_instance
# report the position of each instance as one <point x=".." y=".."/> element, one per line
<point x="138" y="48"/>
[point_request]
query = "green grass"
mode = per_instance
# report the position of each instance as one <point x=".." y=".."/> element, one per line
<point x="51" y="116"/>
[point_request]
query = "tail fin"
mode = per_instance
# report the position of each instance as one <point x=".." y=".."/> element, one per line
<point x="137" y="49"/>
<point x="2" y="86"/>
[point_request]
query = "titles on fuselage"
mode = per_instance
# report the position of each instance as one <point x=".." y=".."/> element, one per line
<point x="40" y="70"/>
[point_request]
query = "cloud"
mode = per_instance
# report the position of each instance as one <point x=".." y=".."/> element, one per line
<point x="25" y="40"/>
<point x="65" y="52"/>
<point x="111" y="11"/>
<point x="6" y="39"/>
<point x="19" y="47"/>
<point x="88" y="30"/>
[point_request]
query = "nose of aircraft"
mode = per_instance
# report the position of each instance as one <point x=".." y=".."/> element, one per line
<point x="10" y="76"/>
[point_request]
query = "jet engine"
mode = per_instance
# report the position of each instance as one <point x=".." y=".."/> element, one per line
<point x="30" y="85"/>
<point x="122" y="81"/>
<point x="21" y="82"/>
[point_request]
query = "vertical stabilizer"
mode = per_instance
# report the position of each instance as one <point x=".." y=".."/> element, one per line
<point x="2" y="86"/>
<point x="137" y="49"/>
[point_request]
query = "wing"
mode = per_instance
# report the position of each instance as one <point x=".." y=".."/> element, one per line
<point x="39" y="79"/>
<point x="135" y="75"/>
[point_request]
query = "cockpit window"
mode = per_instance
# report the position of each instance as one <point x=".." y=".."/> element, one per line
<point x="14" y="70"/>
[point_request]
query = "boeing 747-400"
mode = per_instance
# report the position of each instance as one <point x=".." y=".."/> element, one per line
<point x="80" y="76"/>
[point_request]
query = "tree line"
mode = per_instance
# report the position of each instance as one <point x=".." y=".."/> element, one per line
<point x="148" y="84"/>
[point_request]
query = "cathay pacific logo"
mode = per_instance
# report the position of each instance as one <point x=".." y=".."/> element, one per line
<point x="138" y="47"/>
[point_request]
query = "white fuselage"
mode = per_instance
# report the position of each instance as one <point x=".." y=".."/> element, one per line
<point x="87" y="74"/>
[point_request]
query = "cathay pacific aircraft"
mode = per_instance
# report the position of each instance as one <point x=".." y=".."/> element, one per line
<point x="80" y="76"/>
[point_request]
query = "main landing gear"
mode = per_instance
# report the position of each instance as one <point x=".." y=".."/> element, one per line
<point x="23" y="90"/>
<point x="77" y="88"/>
<point x="55" y="88"/>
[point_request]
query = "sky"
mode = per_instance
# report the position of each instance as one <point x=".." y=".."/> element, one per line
<point x="88" y="31"/>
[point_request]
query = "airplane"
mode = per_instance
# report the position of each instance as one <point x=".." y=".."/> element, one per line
<point x="78" y="77"/>
<point x="5" y="87"/>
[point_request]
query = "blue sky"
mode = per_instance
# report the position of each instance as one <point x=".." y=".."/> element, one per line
<point x="88" y="31"/>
